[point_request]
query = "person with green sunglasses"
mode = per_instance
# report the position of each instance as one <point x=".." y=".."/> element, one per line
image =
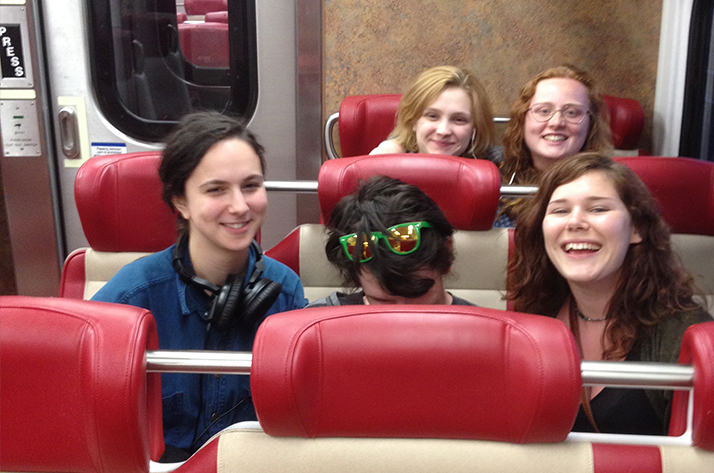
<point x="392" y="245"/>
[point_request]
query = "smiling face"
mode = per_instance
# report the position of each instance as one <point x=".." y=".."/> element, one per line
<point x="556" y="138"/>
<point x="446" y="125"/>
<point x="587" y="232"/>
<point x="224" y="202"/>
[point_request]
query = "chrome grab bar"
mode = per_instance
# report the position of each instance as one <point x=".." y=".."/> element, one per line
<point x="292" y="186"/>
<point x="329" y="144"/>
<point x="311" y="187"/>
<point x="607" y="373"/>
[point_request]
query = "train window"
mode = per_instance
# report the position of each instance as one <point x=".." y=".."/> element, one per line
<point x="697" y="137"/>
<point x="152" y="61"/>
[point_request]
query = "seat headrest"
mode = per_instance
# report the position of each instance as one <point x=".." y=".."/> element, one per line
<point x="415" y="371"/>
<point x="683" y="189"/>
<point x="627" y="118"/>
<point x="466" y="190"/>
<point x="75" y="393"/>
<point x="119" y="202"/>
<point x="698" y="349"/>
<point x="365" y="121"/>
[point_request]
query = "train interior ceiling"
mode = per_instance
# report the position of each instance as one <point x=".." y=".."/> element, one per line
<point x="139" y="65"/>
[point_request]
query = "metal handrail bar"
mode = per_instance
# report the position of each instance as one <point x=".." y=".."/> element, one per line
<point x="329" y="144"/>
<point x="311" y="187"/>
<point x="198" y="361"/>
<point x="518" y="191"/>
<point x="292" y="186"/>
<point x="637" y="374"/>
<point x="608" y="373"/>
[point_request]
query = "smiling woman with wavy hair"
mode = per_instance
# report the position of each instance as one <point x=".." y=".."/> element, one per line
<point x="593" y="251"/>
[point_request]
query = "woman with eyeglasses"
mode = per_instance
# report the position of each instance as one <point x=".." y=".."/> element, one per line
<point x="593" y="252"/>
<point x="558" y="114"/>
<point x="444" y="111"/>
<point x="392" y="244"/>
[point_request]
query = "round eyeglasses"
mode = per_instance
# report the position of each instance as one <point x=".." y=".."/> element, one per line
<point x="573" y="114"/>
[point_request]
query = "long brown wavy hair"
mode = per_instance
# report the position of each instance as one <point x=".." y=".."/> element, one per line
<point x="517" y="160"/>
<point x="426" y="88"/>
<point x="652" y="285"/>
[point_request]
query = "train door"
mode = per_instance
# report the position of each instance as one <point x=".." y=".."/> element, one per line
<point x="120" y="73"/>
<point x="30" y="244"/>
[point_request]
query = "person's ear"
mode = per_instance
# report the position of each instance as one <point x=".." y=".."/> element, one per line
<point x="179" y="203"/>
<point x="635" y="236"/>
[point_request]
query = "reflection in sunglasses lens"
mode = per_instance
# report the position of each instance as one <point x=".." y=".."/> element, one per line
<point x="404" y="244"/>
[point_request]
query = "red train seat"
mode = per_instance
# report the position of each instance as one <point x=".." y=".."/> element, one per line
<point x="331" y="394"/>
<point x="74" y="394"/>
<point x="684" y="191"/>
<point x="217" y="16"/>
<point x="324" y="373"/>
<point x="698" y="350"/>
<point x="366" y="120"/>
<point x="348" y="389"/>
<point x="201" y="7"/>
<point x="205" y="44"/>
<point x="466" y="190"/>
<point x="123" y="216"/>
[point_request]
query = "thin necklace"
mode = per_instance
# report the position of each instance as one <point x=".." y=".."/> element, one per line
<point x="585" y="317"/>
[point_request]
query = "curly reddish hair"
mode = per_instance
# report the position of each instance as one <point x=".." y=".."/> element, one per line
<point x="517" y="159"/>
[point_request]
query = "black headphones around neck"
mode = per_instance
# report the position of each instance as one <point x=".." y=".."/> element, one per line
<point x="233" y="302"/>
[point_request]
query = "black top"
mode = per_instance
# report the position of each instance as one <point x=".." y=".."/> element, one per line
<point x="621" y="411"/>
<point x="642" y="411"/>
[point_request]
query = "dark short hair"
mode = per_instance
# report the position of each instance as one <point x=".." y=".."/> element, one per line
<point x="379" y="203"/>
<point x="185" y="147"/>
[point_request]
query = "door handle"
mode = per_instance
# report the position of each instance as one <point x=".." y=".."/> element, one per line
<point x="68" y="131"/>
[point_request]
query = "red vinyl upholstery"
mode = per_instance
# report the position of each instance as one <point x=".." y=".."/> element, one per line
<point x="217" y="16"/>
<point x="74" y="394"/>
<point x="627" y="118"/>
<point x="407" y="371"/>
<point x="205" y="44"/>
<point x="119" y="203"/>
<point x="466" y="190"/>
<point x="366" y="120"/>
<point x="683" y="189"/>
<point x="120" y="207"/>
<point x="698" y="350"/>
<point x="201" y="7"/>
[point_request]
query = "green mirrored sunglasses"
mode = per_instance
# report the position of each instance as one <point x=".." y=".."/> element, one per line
<point x="402" y="239"/>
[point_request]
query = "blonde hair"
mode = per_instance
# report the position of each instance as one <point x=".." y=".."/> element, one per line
<point x="426" y="88"/>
